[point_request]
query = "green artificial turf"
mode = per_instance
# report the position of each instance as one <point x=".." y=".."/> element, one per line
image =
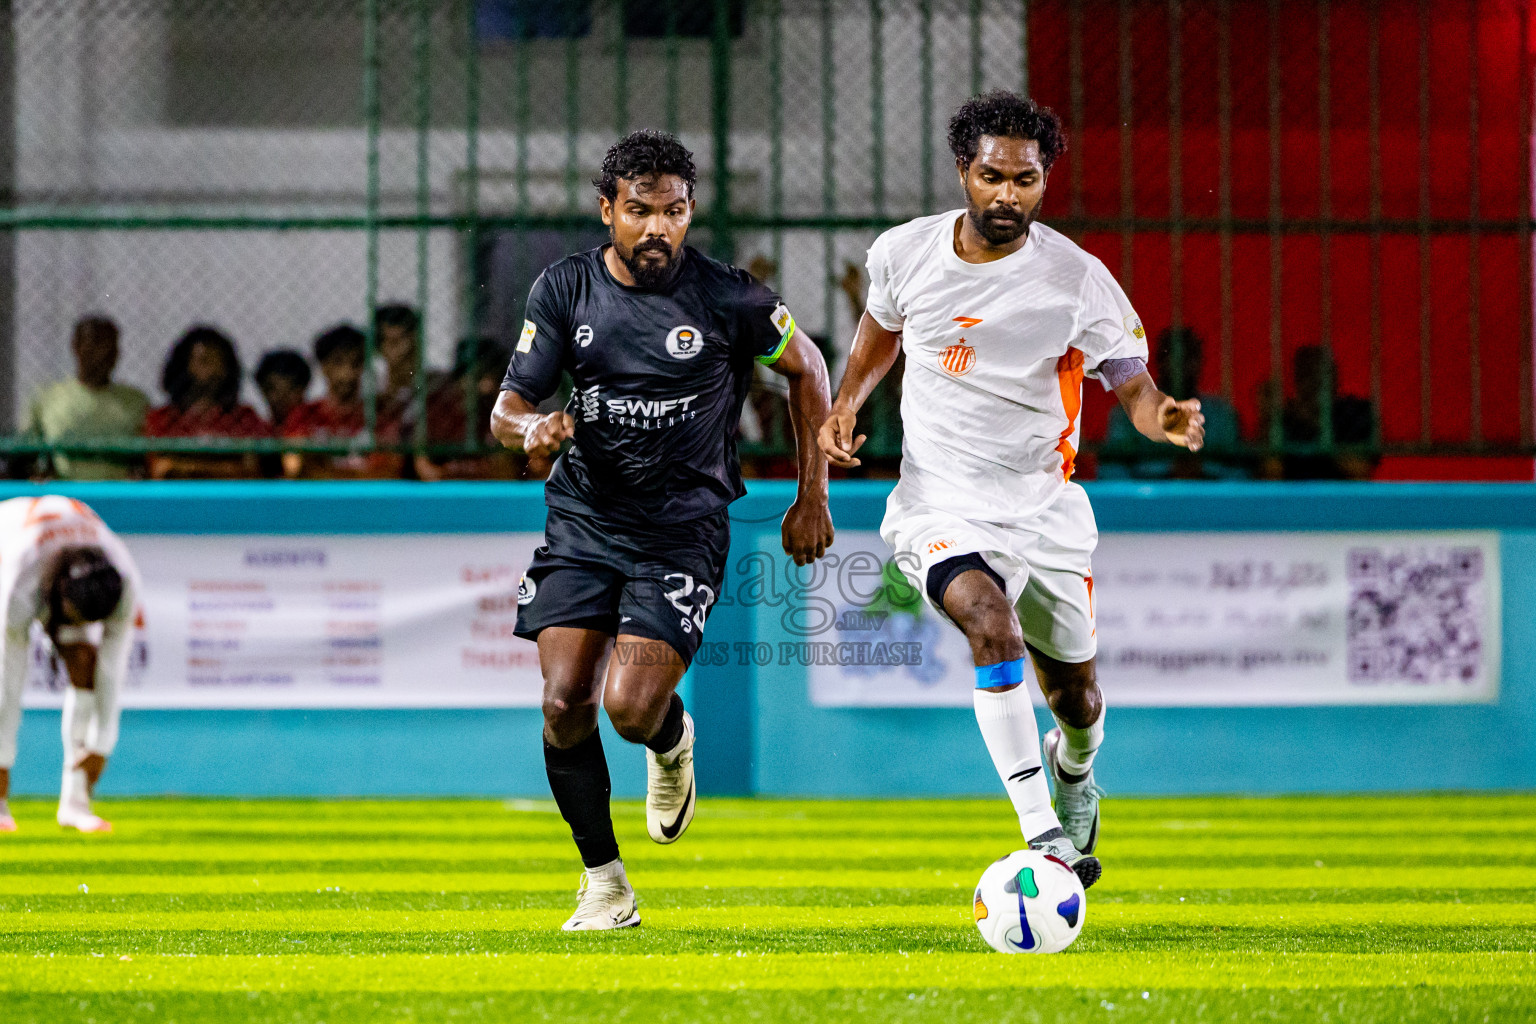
<point x="1355" y="909"/>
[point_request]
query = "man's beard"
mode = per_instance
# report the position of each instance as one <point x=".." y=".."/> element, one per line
<point x="1000" y="230"/>
<point x="649" y="273"/>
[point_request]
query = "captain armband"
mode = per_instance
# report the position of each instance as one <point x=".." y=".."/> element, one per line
<point x="784" y="323"/>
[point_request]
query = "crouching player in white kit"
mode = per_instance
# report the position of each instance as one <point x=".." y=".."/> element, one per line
<point x="61" y="567"/>
<point x="1001" y="318"/>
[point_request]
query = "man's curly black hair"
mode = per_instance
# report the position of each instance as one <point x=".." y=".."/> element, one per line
<point x="1006" y="115"/>
<point x="643" y="154"/>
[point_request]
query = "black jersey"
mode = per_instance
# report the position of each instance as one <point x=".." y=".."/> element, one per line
<point x="660" y="377"/>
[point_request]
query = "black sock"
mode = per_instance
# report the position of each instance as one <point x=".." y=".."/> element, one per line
<point x="671" y="732"/>
<point x="578" y="777"/>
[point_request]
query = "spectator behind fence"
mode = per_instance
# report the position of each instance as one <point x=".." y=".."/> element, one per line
<point x="1351" y="455"/>
<point x="202" y="378"/>
<point x="1178" y="357"/>
<point x="90" y="407"/>
<point x="479" y="365"/>
<point x="398" y="332"/>
<point x="282" y="377"/>
<point x="339" y="416"/>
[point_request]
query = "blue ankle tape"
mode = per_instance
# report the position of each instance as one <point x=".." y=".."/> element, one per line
<point x="1004" y="673"/>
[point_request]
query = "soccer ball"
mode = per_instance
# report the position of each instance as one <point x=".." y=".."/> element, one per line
<point x="1029" y="902"/>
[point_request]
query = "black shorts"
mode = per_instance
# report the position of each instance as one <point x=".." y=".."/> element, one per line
<point x="658" y="582"/>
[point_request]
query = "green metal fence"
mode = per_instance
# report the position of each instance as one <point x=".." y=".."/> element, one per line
<point x="275" y="167"/>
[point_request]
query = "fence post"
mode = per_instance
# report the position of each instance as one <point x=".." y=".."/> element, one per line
<point x="470" y="319"/>
<point x="8" y="397"/>
<point x="720" y="74"/>
<point x="371" y="68"/>
<point x="423" y="60"/>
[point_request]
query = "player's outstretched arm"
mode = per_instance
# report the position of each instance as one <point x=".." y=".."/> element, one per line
<point x="1162" y="417"/>
<point x="518" y="424"/>
<point x="807" y="526"/>
<point x="874" y="353"/>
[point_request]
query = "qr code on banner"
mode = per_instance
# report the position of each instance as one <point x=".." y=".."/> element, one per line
<point x="1415" y="615"/>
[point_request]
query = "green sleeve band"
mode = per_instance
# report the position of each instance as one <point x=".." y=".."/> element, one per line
<point x="773" y="357"/>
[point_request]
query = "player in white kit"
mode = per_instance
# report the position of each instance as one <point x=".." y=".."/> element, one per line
<point x="61" y="567"/>
<point x="1000" y="319"/>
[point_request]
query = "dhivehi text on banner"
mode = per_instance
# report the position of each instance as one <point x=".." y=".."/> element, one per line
<point x="1210" y="619"/>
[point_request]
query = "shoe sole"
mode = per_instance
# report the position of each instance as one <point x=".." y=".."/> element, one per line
<point x="1088" y="870"/>
<point x="1048" y="746"/>
<point x="101" y="830"/>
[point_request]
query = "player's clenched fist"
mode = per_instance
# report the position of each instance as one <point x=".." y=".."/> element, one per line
<point x="1183" y="423"/>
<point x="837" y="439"/>
<point x="807" y="530"/>
<point x="543" y="435"/>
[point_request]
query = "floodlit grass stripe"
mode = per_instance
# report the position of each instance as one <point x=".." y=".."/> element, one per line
<point x="1279" y="917"/>
<point x="713" y="853"/>
<point x="790" y="971"/>
<point x="102" y="882"/>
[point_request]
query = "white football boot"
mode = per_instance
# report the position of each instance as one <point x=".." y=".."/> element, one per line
<point x="75" y="804"/>
<point x="669" y="796"/>
<point x="1076" y="803"/>
<point x="7" y="823"/>
<point x="77" y="817"/>
<point x="603" y="904"/>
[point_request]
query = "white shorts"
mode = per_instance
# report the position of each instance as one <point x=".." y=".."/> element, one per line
<point x="1045" y="563"/>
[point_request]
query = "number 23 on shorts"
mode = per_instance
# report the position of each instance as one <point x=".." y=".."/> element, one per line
<point x="692" y="599"/>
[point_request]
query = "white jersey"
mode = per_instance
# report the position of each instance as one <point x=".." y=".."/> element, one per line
<point x="33" y="531"/>
<point x="996" y="353"/>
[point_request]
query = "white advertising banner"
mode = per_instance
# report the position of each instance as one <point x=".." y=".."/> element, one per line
<point x="416" y="620"/>
<point x="1217" y="619"/>
<point x="1184" y="619"/>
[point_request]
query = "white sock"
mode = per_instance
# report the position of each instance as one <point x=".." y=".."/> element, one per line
<point x="1075" y="753"/>
<point x="1008" y="725"/>
<point x="75" y="792"/>
<point x="607" y="872"/>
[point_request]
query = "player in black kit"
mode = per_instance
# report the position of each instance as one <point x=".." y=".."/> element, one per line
<point x="660" y="342"/>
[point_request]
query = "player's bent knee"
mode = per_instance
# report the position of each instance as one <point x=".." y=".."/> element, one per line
<point x="566" y="726"/>
<point x="634" y="721"/>
<point x="994" y="634"/>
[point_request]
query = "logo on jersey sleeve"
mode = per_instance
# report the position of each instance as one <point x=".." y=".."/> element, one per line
<point x="783" y="321"/>
<point x="525" y="340"/>
<point x="957" y="359"/>
<point x="685" y="342"/>
<point x="1134" y="328"/>
<point x="584" y="335"/>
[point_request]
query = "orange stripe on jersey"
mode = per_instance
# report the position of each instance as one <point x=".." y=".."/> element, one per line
<point x="1069" y="375"/>
<point x="1095" y="630"/>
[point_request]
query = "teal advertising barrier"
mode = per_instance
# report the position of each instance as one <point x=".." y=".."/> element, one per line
<point x="759" y="730"/>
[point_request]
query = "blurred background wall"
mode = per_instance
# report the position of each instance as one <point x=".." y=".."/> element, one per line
<point x="1351" y="175"/>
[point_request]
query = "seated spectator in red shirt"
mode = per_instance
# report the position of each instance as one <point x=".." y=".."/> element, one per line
<point x="397" y="329"/>
<point x="282" y="377"/>
<point x="339" y="416"/>
<point x="479" y="366"/>
<point x="202" y="378"/>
